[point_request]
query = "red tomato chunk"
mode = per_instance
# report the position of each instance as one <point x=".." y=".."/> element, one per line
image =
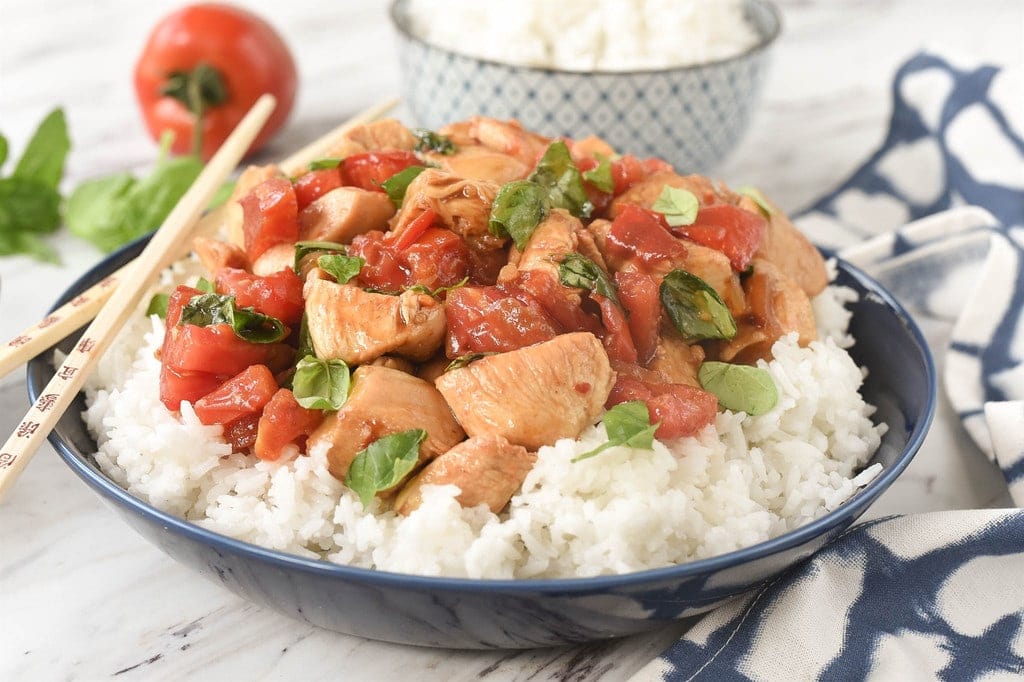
<point x="278" y="295"/>
<point x="682" y="410"/>
<point x="245" y="393"/>
<point x="637" y="232"/>
<point x="733" y="231"/>
<point x="491" y="320"/>
<point x="312" y="185"/>
<point x="270" y="216"/>
<point x="370" y="170"/>
<point x="638" y="292"/>
<point x="284" y="422"/>
<point x="437" y="258"/>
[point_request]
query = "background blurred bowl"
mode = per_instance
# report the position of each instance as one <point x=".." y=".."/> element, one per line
<point x="691" y="116"/>
<point x="463" y="613"/>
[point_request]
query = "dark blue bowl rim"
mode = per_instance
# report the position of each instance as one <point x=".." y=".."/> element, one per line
<point x="400" y="22"/>
<point x="561" y="586"/>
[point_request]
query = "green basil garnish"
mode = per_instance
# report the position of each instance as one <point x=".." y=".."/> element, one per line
<point x="560" y="178"/>
<point x="383" y="463"/>
<point x="517" y="211"/>
<point x="576" y="270"/>
<point x="158" y="306"/>
<point x="436" y="293"/>
<point x="205" y="286"/>
<point x="740" y="388"/>
<point x="303" y="249"/>
<point x="464" y="360"/>
<point x="759" y="199"/>
<point x="695" y="308"/>
<point x="429" y="141"/>
<point x="323" y="164"/>
<point x="320" y="384"/>
<point x="396" y="185"/>
<point x="628" y="424"/>
<point x="305" y="341"/>
<point x="341" y="268"/>
<point x="601" y="176"/>
<point x="208" y="309"/>
<point x="679" y="206"/>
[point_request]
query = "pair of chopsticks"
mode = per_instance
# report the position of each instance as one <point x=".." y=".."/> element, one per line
<point x="122" y="291"/>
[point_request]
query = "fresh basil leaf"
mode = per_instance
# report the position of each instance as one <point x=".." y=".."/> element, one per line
<point x="740" y="388"/>
<point x="464" y="360"/>
<point x="396" y="185"/>
<point x="384" y="463"/>
<point x="758" y="198"/>
<point x="93" y="211"/>
<point x="601" y="176"/>
<point x="27" y="206"/>
<point x="43" y="158"/>
<point x="209" y="309"/>
<point x="627" y="424"/>
<point x="222" y="195"/>
<point x="29" y="244"/>
<point x="158" y="305"/>
<point x="576" y="270"/>
<point x="695" y="308"/>
<point x="321" y="384"/>
<point x="518" y="209"/>
<point x="323" y="164"/>
<point x="341" y="268"/>
<point x="3" y="150"/>
<point x="560" y="178"/>
<point x="305" y="341"/>
<point x="205" y="285"/>
<point x="303" y="249"/>
<point x="429" y="141"/>
<point x="679" y="206"/>
<point x="436" y="293"/>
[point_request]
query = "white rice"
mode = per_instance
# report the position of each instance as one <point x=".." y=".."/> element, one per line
<point x="585" y="35"/>
<point x="742" y="481"/>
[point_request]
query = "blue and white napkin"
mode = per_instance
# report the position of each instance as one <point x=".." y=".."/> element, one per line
<point x="935" y="595"/>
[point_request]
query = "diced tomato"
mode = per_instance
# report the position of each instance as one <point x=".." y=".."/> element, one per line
<point x="245" y="393"/>
<point x="284" y="421"/>
<point x="414" y="229"/>
<point x="312" y="185"/>
<point x="682" y="410"/>
<point x="628" y="170"/>
<point x="638" y="292"/>
<point x="177" y="301"/>
<point x="638" y="232"/>
<point x="557" y="301"/>
<point x="733" y="231"/>
<point x="278" y="295"/>
<point x="490" y="320"/>
<point x="437" y="258"/>
<point x="371" y="169"/>
<point x="271" y="216"/>
<point x="617" y="340"/>
<point x="241" y="433"/>
<point x="599" y="198"/>
<point x="191" y="386"/>
<point x="381" y="269"/>
<point x="214" y="350"/>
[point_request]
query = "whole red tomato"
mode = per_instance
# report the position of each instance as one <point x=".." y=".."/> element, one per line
<point x="209" y="63"/>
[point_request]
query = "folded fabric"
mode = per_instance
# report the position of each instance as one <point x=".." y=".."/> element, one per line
<point x="937" y="595"/>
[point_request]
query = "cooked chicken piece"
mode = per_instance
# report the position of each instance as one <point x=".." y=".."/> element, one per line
<point x="674" y="359"/>
<point x="645" y="192"/>
<point x="591" y="146"/>
<point x="553" y="239"/>
<point x="509" y="137"/>
<point x="216" y="255"/>
<point x="233" y="218"/>
<point x="343" y="213"/>
<point x="586" y="245"/>
<point x="432" y="369"/>
<point x="401" y="364"/>
<point x="778" y="306"/>
<point x="383" y="135"/>
<point x="598" y="230"/>
<point x="534" y="395"/>
<point x="790" y="251"/>
<point x="383" y="401"/>
<point x="476" y="162"/>
<point x="358" y="326"/>
<point x="487" y="469"/>
<point x="463" y="206"/>
<point x="275" y="259"/>
<point x="459" y="133"/>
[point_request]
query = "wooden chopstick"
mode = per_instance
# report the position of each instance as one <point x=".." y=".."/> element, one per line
<point x="73" y="314"/>
<point x="70" y="377"/>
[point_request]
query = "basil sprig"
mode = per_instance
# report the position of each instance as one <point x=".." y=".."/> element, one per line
<point x="321" y="384"/>
<point x="325" y="163"/>
<point x="695" y="308"/>
<point x="397" y="184"/>
<point x="576" y="270"/>
<point x="383" y="463"/>
<point x="342" y="268"/>
<point x="601" y="175"/>
<point x="209" y="309"/>
<point x="679" y="206"/>
<point x="158" y="305"/>
<point x="628" y="424"/>
<point x="740" y="388"/>
<point x="521" y="205"/>
<point x="429" y="141"/>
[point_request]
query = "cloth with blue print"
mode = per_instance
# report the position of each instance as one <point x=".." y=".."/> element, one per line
<point x="937" y="215"/>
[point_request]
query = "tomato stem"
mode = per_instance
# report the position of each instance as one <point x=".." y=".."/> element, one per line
<point x="198" y="90"/>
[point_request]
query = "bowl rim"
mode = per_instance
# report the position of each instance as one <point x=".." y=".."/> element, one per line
<point x="399" y="20"/>
<point x="852" y="508"/>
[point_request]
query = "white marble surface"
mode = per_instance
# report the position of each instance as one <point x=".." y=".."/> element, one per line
<point x="83" y="597"/>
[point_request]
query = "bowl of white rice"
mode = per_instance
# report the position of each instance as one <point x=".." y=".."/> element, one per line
<point x="624" y="542"/>
<point x="676" y="79"/>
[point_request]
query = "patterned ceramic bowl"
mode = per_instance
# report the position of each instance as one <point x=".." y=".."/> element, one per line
<point x="691" y="116"/>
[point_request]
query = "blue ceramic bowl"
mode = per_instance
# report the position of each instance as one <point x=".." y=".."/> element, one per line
<point x="467" y="613"/>
<point x="691" y="116"/>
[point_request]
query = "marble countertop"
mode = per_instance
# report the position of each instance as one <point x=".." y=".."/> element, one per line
<point x="83" y="597"/>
